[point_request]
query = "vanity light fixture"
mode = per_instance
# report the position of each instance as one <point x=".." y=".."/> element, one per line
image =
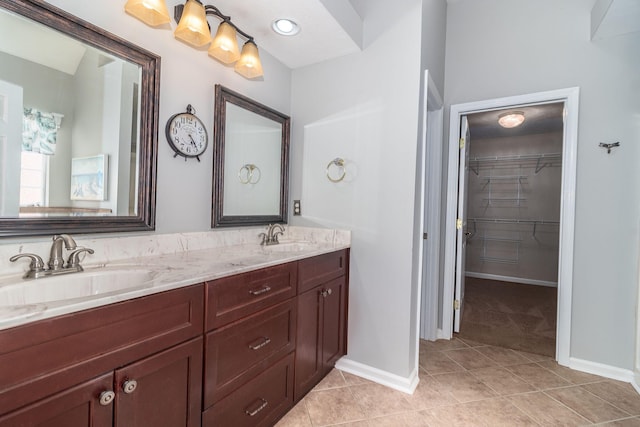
<point x="511" y="119"/>
<point x="285" y="27"/>
<point x="151" y="12"/>
<point x="194" y="30"/>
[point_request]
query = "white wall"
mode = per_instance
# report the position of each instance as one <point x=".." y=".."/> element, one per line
<point x="188" y="76"/>
<point x="499" y="48"/>
<point x="364" y="108"/>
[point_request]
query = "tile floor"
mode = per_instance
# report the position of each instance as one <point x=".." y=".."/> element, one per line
<point x="463" y="383"/>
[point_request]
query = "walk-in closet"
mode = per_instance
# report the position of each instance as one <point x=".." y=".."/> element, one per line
<point x="513" y="221"/>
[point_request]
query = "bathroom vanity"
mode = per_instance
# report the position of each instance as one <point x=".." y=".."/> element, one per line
<point x="237" y="349"/>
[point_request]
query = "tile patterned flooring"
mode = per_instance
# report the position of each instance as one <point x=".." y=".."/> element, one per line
<point x="463" y="383"/>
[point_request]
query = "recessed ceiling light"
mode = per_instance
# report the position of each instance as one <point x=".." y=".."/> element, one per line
<point x="286" y="27"/>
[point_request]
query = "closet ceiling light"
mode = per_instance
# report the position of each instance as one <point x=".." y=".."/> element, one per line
<point x="511" y="119"/>
<point x="285" y="27"/>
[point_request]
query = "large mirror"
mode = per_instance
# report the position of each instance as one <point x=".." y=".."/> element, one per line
<point x="78" y="125"/>
<point x="251" y="162"/>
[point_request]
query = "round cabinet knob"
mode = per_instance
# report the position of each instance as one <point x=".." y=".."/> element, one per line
<point x="106" y="397"/>
<point x="326" y="292"/>
<point x="129" y="386"/>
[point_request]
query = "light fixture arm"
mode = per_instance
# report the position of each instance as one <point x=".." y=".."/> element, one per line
<point x="212" y="10"/>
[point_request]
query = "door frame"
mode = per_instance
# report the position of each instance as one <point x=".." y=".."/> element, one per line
<point x="570" y="97"/>
<point x="429" y="215"/>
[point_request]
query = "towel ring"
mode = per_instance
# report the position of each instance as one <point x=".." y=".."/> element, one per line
<point x="246" y="174"/>
<point x="339" y="164"/>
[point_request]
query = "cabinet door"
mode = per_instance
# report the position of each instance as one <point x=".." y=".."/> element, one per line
<point x="161" y="390"/>
<point x="333" y="322"/>
<point x="321" y="335"/>
<point x="308" y="364"/>
<point x="78" y="406"/>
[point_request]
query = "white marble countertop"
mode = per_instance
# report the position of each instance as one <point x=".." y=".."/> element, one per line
<point x="172" y="269"/>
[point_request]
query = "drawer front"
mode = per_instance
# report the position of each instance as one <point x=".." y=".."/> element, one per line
<point x="322" y="268"/>
<point x="236" y="353"/>
<point x="43" y="357"/>
<point x="259" y="403"/>
<point x="232" y="298"/>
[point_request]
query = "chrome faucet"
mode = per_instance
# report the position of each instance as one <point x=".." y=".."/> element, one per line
<point x="271" y="236"/>
<point x="56" y="261"/>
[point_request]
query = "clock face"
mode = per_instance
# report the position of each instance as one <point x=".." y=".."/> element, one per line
<point x="187" y="135"/>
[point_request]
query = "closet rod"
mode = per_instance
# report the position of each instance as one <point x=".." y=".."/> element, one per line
<point x="517" y="157"/>
<point x="533" y="222"/>
<point x="513" y="221"/>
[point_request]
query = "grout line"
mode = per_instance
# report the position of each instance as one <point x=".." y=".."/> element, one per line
<point x="566" y="406"/>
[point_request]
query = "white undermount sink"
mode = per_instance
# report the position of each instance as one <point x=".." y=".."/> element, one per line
<point x="289" y="247"/>
<point x="86" y="284"/>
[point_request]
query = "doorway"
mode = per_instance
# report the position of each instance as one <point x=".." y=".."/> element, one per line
<point x="512" y="204"/>
<point x="453" y="290"/>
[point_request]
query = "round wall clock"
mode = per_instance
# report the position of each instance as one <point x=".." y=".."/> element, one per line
<point x="186" y="134"/>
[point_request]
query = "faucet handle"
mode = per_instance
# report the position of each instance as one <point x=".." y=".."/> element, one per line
<point x="74" y="258"/>
<point x="264" y="238"/>
<point x="36" y="265"/>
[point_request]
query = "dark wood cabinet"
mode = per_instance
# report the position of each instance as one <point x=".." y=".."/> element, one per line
<point x="161" y="390"/>
<point x="234" y="351"/>
<point x="237" y="353"/>
<point x="235" y="297"/>
<point x="260" y="402"/>
<point x="322" y="322"/>
<point x="78" y="406"/>
<point x="249" y="351"/>
<point x="117" y="365"/>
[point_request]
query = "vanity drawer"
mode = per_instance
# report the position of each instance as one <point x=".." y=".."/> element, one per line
<point x="259" y="403"/>
<point x="320" y="269"/>
<point x="236" y="353"/>
<point x="231" y="298"/>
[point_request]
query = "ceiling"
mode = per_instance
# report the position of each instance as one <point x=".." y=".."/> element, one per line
<point x="327" y="27"/>
<point x="37" y="43"/>
<point x="543" y="118"/>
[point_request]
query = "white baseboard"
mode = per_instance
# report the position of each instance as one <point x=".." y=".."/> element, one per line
<point x="602" y="370"/>
<point x="441" y="335"/>
<point x="511" y="279"/>
<point x="636" y="382"/>
<point x="406" y="385"/>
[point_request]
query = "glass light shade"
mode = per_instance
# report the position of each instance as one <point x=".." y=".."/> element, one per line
<point x="249" y="63"/>
<point x="193" y="28"/>
<point x="151" y="12"/>
<point x="511" y="119"/>
<point x="224" y="46"/>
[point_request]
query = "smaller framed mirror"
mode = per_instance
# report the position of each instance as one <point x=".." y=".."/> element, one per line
<point x="251" y="162"/>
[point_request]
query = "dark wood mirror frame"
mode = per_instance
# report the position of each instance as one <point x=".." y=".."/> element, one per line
<point x="218" y="219"/>
<point x="149" y="64"/>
